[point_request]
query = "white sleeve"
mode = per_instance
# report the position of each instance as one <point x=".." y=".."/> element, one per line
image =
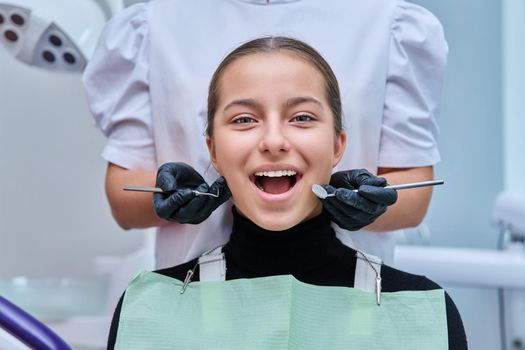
<point x="418" y="56"/>
<point x="117" y="89"/>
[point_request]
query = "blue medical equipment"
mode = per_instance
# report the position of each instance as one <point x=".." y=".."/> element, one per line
<point x="28" y="329"/>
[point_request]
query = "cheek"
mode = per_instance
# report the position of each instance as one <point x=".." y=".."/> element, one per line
<point x="228" y="155"/>
<point x="324" y="168"/>
<point x="222" y="161"/>
<point x="318" y="151"/>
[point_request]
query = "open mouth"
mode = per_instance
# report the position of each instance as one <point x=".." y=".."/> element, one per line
<point x="275" y="182"/>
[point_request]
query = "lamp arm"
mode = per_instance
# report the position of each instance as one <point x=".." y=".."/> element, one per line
<point x="110" y="7"/>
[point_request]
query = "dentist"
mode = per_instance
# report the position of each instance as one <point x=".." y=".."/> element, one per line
<point x="147" y="85"/>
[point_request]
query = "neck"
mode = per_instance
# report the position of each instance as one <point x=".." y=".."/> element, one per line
<point x="305" y="246"/>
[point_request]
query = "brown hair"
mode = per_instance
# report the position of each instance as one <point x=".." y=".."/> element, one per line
<point x="272" y="44"/>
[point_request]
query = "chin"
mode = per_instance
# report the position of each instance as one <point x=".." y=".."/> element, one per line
<point x="272" y="225"/>
<point x="282" y="220"/>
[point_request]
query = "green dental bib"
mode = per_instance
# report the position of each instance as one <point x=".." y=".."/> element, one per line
<point x="277" y="312"/>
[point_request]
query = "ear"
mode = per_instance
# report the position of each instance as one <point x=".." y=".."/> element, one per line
<point x="339" y="147"/>
<point x="211" y="151"/>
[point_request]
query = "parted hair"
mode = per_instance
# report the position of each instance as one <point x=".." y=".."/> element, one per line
<point x="275" y="44"/>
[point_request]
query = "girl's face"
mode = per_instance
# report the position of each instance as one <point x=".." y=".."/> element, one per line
<point x="274" y="138"/>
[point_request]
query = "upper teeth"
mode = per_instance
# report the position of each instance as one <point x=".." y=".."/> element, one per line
<point x="277" y="173"/>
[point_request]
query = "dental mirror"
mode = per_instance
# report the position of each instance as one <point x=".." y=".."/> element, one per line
<point x="321" y="193"/>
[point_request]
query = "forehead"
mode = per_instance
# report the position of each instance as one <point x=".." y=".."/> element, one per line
<point x="278" y="71"/>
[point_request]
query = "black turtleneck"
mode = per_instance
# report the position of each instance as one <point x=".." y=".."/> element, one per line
<point x="311" y="253"/>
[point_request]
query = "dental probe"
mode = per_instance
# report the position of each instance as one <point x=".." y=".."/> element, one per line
<point x="320" y="192"/>
<point x="160" y="190"/>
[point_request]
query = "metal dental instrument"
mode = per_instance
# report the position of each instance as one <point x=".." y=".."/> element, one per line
<point x="143" y="189"/>
<point x="320" y="192"/>
<point x="160" y="190"/>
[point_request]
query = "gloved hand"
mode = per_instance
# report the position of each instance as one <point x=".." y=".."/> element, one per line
<point x="178" y="202"/>
<point x="354" y="210"/>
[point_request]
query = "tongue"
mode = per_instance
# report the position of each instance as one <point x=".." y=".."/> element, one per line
<point x="275" y="185"/>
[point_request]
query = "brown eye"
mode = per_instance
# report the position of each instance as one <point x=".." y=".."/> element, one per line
<point x="244" y="120"/>
<point x="303" y="118"/>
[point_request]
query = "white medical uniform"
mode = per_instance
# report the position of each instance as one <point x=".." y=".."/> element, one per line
<point x="147" y="89"/>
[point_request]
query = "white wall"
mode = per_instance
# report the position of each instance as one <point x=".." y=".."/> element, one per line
<point x="471" y="138"/>
<point x="54" y="217"/>
<point x="514" y="95"/>
<point x="472" y="148"/>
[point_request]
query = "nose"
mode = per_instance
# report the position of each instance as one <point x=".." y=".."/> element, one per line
<point x="274" y="139"/>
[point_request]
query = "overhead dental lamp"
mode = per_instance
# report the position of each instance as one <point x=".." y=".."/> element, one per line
<point x="58" y="35"/>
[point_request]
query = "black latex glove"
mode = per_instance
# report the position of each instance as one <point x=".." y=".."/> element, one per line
<point x="178" y="203"/>
<point x="354" y="210"/>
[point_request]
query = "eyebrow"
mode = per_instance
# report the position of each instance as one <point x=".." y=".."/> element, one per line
<point x="250" y="102"/>
<point x="302" y="99"/>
